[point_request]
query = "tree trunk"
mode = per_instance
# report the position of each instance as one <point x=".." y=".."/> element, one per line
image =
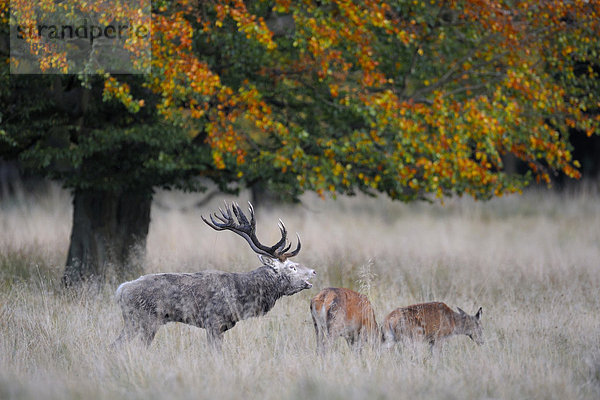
<point x="108" y="239"/>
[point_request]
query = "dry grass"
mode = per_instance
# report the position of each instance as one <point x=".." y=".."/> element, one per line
<point x="532" y="262"/>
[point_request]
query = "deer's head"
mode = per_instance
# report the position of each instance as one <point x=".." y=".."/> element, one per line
<point x="472" y="325"/>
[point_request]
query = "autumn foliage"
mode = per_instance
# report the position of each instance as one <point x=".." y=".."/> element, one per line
<point x="415" y="99"/>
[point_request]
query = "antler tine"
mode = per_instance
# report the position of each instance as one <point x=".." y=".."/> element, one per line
<point x="297" y="250"/>
<point x="224" y="222"/>
<point x="224" y="219"/>
<point x="212" y="223"/>
<point x="239" y="214"/>
<point x="289" y="245"/>
<point x="226" y="216"/>
<point x="252" y="219"/>
<point x="221" y="219"/>
<point x="219" y="222"/>
<point x="208" y="223"/>
<point x="276" y="248"/>
<point x="235" y="211"/>
<point x="282" y="227"/>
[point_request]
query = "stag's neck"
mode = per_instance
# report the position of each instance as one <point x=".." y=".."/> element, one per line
<point x="261" y="288"/>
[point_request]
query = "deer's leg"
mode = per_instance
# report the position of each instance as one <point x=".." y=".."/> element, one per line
<point x="319" y="337"/>
<point x="388" y="338"/>
<point x="365" y="339"/>
<point x="320" y="334"/>
<point x="148" y="332"/>
<point x="351" y="340"/>
<point x="128" y="332"/>
<point x="435" y="348"/>
<point x="333" y="330"/>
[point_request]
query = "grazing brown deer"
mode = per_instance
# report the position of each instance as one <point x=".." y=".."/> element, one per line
<point x="214" y="300"/>
<point x="343" y="312"/>
<point x="430" y="322"/>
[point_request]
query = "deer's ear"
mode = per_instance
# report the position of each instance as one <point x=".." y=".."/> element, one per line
<point x="478" y="314"/>
<point x="268" y="261"/>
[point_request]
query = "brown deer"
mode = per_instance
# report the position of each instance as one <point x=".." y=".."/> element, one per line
<point x="343" y="312"/>
<point x="214" y="300"/>
<point x="430" y="322"/>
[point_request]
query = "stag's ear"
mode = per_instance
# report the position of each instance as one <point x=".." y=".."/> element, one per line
<point x="478" y="315"/>
<point x="268" y="261"/>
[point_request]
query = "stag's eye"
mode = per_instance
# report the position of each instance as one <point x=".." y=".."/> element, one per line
<point x="293" y="268"/>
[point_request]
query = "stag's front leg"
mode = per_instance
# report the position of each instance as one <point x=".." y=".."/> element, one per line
<point x="148" y="333"/>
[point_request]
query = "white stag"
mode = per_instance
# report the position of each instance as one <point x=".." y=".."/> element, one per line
<point x="214" y="300"/>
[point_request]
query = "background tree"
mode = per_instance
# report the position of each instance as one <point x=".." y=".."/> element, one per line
<point x="415" y="99"/>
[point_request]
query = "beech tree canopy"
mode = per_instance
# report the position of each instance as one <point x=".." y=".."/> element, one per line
<point x="409" y="98"/>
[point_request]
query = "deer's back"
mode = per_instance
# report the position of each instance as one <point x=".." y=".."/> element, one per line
<point x="426" y="321"/>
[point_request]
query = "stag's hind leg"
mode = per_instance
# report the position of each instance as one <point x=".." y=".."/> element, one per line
<point x="148" y="332"/>
<point x="128" y="332"/>
<point x="143" y="327"/>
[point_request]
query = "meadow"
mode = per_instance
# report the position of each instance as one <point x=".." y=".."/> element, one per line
<point x="531" y="261"/>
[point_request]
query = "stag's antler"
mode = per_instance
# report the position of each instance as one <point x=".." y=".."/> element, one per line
<point x="247" y="229"/>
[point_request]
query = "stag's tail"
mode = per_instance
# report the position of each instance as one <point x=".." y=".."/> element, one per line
<point x="119" y="292"/>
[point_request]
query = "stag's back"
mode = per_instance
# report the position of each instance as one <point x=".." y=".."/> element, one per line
<point x="427" y="321"/>
<point x="343" y="312"/>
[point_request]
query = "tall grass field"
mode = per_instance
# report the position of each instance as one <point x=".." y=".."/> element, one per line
<point x="531" y="261"/>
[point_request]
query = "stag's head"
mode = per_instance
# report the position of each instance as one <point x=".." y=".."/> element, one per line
<point x="293" y="275"/>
